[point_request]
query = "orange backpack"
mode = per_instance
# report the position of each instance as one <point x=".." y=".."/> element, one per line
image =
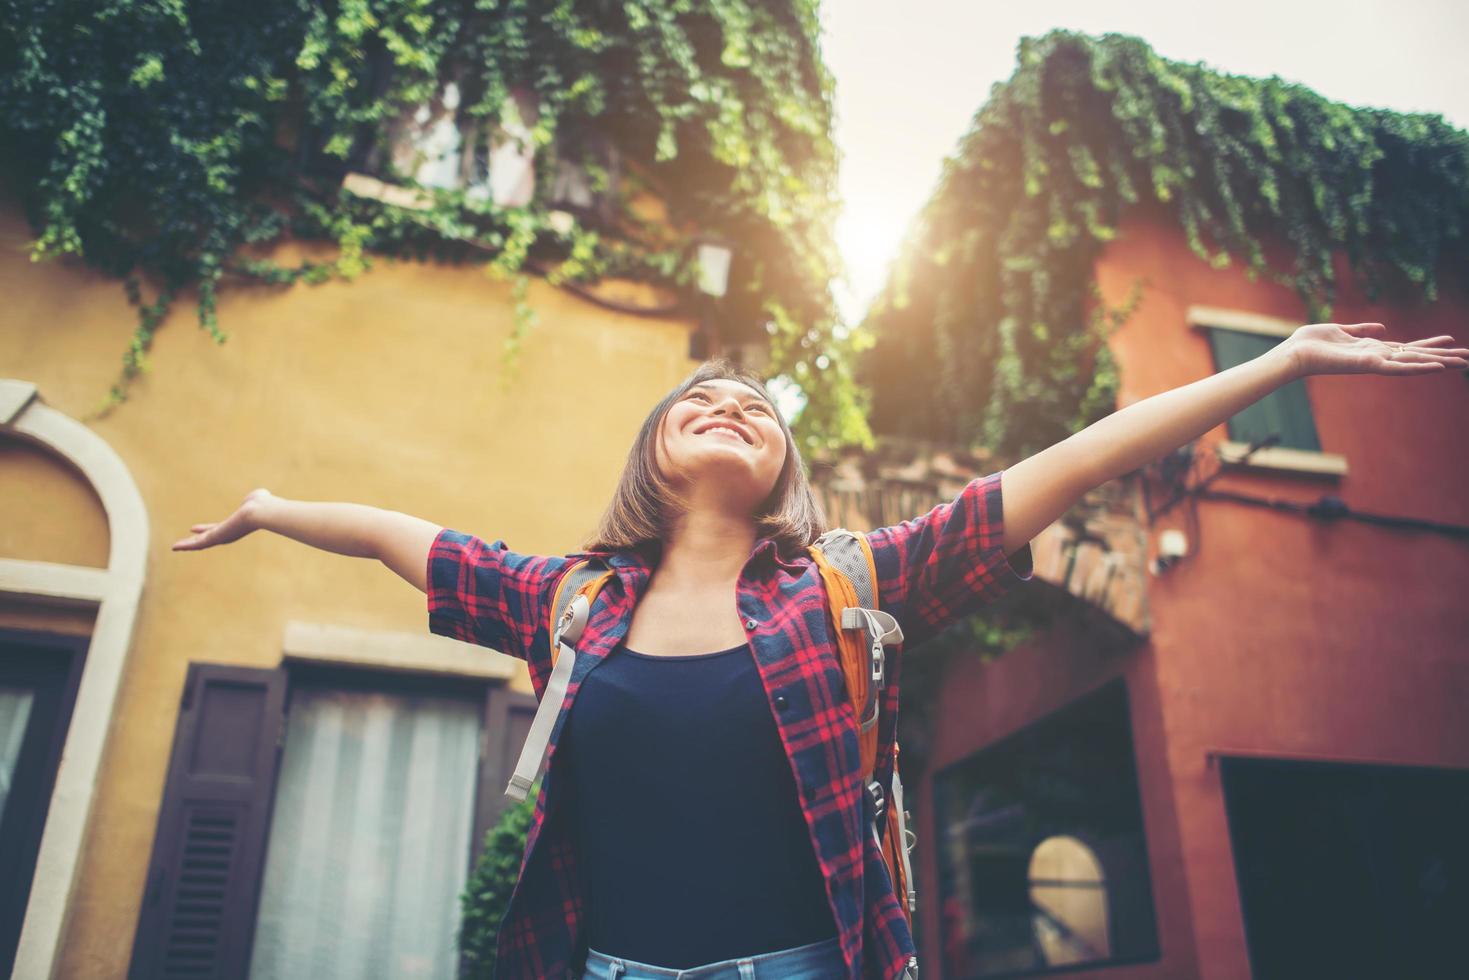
<point x="844" y="559"/>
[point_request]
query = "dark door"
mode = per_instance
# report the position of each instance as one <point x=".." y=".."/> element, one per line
<point x="1350" y="870"/>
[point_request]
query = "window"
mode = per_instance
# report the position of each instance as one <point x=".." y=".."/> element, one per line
<point x="1042" y="857"/>
<point x="437" y="145"/>
<point x="369" y="834"/>
<point x="322" y="821"/>
<point x="39" y="674"/>
<point x="1349" y="870"/>
<point x="1285" y="412"/>
<point x="1234" y="338"/>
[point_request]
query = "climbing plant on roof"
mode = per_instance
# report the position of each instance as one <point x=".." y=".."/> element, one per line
<point x="171" y="144"/>
<point x="990" y="329"/>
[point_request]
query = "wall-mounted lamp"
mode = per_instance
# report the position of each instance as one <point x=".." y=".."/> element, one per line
<point x="1172" y="547"/>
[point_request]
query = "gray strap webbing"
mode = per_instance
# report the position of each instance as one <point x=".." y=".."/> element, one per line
<point x="572" y="613"/>
<point x="912" y="895"/>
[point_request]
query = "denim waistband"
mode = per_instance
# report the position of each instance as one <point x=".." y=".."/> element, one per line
<point x="814" y="961"/>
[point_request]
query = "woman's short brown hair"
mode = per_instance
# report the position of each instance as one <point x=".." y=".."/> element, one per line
<point x="645" y="502"/>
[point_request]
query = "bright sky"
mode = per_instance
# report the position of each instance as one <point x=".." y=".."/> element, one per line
<point x="911" y="73"/>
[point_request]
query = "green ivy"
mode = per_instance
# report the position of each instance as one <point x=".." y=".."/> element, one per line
<point x="486" y="895"/>
<point x="167" y="143"/>
<point x="991" y="329"/>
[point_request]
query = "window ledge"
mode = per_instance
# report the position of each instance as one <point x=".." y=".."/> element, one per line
<point x="1204" y="317"/>
<point x="419" y="653"/>
<point x="1283" y="459"/>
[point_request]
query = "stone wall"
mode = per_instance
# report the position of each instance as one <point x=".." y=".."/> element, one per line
<point x="1096" y="552"/>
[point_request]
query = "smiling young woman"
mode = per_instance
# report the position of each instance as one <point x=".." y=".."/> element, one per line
<point x="701" y="813"/>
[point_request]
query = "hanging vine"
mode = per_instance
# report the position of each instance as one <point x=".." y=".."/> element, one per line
<point x="171" y="144"/>
<point x="990" y="329"/>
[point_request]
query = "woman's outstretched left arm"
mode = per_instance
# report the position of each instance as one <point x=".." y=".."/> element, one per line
<point x="1039" y="489"/>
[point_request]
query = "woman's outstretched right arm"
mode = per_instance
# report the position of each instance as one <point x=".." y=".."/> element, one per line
<point x="400" y="541"/>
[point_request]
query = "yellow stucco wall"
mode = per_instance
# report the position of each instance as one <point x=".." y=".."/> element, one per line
<point x="384" y="391"/>
<point x="44" y="497"/>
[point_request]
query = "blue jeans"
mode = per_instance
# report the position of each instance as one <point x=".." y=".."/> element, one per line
<point x="817" y="961"/>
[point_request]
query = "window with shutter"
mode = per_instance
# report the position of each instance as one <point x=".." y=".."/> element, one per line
<point x="1285" y="412"/>
<point x="375" y="791"/>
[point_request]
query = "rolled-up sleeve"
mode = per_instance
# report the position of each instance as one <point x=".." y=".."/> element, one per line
<point x="489" y="595"/>
<point x="936" y="569"/>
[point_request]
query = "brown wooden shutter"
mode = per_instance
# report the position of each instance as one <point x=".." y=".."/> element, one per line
<point x="508" y="715"/>
<point x="198" y="912"/>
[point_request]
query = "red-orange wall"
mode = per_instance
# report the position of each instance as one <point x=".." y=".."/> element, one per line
<point x="1279" y="634"/>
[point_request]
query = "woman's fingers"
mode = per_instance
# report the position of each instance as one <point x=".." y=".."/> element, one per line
<point x="1428" y="354"/>
<point x="1407" y="355"/>
<point x="1435" y="346"/>
<point x="195" y="541"/>
<point x="1416" y="362"/>
<point x="1374" y="331"/>
<point x="1448" y="358"/>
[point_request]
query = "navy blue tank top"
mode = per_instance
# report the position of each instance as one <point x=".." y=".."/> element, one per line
<point x="689" y="834"/>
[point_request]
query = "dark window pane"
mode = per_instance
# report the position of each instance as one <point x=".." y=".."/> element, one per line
<point x="1042" y="859"/>
<point x="1350" y="870"/>
<point x="1286" y="411"/>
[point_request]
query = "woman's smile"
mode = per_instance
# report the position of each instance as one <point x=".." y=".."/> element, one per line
<point x="725" y="431"/>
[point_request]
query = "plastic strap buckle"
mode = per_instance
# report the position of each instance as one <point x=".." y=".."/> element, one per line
<point x="879" y="807"/>
<point x="880" y="628"/>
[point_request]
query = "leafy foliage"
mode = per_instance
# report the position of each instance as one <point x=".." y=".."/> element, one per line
<point x="990" y="328"/>
<point x="486" y="896"/>
<point x="169" y="144"/>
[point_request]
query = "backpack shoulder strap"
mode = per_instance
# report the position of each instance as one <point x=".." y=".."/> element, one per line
<point x="851" y="555"/>
<point x="584" y="577"/>
<point x="845" y="560"/>
<point x="570" y="609"/>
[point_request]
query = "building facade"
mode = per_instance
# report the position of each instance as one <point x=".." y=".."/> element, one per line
<point x="1261" y="767"/>
<point x="171" y="717"/>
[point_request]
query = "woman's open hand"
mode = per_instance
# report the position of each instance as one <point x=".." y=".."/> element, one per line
<point x="232" y="528"/>
<point x="1355" y="348"/>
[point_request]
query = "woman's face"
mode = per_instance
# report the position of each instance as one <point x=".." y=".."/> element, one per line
<point x="723" y="431"/>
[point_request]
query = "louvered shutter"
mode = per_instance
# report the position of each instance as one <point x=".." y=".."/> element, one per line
<point x="204" y="877"/>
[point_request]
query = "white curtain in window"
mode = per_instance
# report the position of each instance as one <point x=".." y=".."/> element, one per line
<point x="15" y="711"/>
<point x="369" y="840"/>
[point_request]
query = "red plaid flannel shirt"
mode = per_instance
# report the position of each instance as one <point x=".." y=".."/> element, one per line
<point x="931" y="571"/>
